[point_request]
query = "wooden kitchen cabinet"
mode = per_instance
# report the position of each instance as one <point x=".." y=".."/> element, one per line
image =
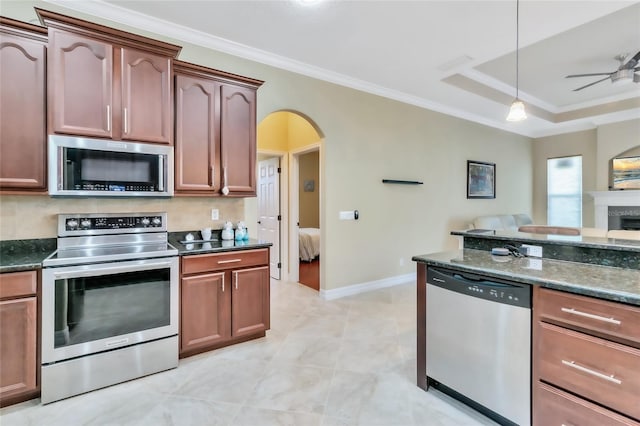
<point x="23" y="54"/>
<point x="224" y="299"/>
<point x="215" y="131"/>
<point x="585" y="360"/>
<point x="108" y="83"/>
<point x="238" y="134"/>
<point x="18" y="337"/>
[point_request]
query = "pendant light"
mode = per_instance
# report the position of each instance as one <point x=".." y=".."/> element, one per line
<point x="517" y="112"/>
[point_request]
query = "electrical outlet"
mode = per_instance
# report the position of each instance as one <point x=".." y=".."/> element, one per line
<point x="533" y="251"/>
<point x="402" y="261"/>
<point x="215" y="214"/>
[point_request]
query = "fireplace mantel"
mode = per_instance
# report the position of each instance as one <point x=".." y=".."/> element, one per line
<point x="603" y="199"/>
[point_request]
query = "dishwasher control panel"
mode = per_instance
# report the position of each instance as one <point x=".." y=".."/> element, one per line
<point x="482" y="287"/>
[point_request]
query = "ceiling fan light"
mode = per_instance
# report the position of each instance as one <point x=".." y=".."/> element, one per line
<point x="517" y="112"/>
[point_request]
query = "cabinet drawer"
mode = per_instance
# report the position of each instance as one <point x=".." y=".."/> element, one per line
<point x="16" y="284"/>
<point x="228" y="260"/>
<point x="555" y="407"/>
<point x="602" y="371"/>
<point x="607" y="319"/>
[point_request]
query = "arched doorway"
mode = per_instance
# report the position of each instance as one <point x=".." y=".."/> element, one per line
<point x="290" y="141"/>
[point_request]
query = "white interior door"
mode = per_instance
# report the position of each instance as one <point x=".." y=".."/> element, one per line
<point x="269" y="210"/>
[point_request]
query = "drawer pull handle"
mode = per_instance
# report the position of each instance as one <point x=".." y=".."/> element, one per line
<point x="592" y="316"/>
<point x="610" y="378"/>
<point x="439" y="280"/>
<point x="229" y="261"/>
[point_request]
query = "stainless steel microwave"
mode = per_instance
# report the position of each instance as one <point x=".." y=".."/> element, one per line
<point x="95" y="167"/>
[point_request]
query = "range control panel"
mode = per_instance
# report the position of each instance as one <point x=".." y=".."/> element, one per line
<point x="97" y="223"/>
<point x="110" y="223"/>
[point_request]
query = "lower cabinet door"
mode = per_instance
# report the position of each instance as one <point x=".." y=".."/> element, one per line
<point x="205" y="304"/>
<point x="18" y="333"/>
<point x="555" y="407"/>
<point x="250" y="310"/>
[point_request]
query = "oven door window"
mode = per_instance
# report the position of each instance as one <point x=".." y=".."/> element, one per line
<point x="93" y="308"/>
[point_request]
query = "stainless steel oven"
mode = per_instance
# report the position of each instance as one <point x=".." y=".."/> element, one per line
<point x="109" y="303"/>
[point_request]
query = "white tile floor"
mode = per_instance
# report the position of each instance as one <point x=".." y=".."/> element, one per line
<point x="334" y="363"/>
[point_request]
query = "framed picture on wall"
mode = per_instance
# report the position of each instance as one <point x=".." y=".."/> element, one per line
<point x="481" y="179"/>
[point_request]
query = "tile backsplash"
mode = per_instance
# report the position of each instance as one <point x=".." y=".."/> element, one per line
<point x="27" y="216"/>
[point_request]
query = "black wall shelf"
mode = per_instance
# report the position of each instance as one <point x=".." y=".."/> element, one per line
<point x="402" y="182"/>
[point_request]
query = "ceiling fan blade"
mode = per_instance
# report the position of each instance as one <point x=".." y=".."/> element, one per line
<point x="588" y="75"/>
<point x="631" y="62"/>
<point x="590" y="84"/>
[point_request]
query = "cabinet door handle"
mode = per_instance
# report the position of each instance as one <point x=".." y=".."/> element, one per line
<point x="108" y="118"/>
<point x="235" y="279"/>
<point x="220" y="262"/>
<point x="578" y="367"/>
<point x="126" y="121"/>
<point x="223" y="284"/>
<point x="592" y="316"/>
<point x="213" y="176"/>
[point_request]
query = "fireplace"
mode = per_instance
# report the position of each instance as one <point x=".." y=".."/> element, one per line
<point x="624" y="217"/>
<point x="617" y="209"/>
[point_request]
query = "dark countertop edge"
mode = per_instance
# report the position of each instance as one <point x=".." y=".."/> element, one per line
<point x="183" y="251"/>
<point x="20" y="267"/>
<point x="589" y="242"/>
<point x="604" y="294"/>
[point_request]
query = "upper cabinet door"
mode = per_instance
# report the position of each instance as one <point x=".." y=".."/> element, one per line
<point x="238" y="130"/>
<point x="146" y="97"/>
<point x="197" y="139"/>
<point x="80" y="85"/>
<point x="22" y="113"/>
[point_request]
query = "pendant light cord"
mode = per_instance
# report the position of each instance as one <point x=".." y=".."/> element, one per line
<point x="517" y="45"/>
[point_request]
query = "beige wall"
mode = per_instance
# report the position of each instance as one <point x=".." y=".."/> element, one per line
<point x="309" y="201"/>
<point x="613" y="140"/>
<point x="367" y="138"/>
<point x="570" y="144"/>
<point x="597" y="147"/>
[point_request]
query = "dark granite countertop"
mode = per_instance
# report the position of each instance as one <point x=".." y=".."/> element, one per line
<point x="212" y="246"/>
<point x="23" y="255"/>
<point x="603" y="282"/>
<point x="564" y="240"/>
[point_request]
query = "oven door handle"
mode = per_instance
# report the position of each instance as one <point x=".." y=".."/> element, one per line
<point x="97" y="270"/>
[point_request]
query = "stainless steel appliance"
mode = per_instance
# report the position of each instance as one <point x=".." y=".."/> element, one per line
<point x="94" y="167"/>
<point x="479" y="343"/>
<point x="109" y="303"/>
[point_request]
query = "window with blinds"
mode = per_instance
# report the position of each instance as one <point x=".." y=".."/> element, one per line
<point x="564" y="191"/>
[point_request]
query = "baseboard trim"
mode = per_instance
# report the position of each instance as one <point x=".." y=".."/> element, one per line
<point x="350" y="290"/>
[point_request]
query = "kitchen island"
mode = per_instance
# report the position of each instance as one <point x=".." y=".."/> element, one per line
<point x="585" y="322"/>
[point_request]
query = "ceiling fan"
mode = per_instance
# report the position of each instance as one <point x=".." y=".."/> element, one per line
<point x="625" y="72"/>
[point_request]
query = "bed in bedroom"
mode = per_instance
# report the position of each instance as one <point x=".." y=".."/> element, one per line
<point x="309" y="243"/>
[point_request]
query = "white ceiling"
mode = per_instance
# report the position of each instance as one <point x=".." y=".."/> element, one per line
<point x="456" y="57"/>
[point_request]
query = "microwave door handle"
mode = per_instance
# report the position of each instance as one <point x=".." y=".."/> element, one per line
<point x="161" y="173"/>
<point x="62" y="154"/>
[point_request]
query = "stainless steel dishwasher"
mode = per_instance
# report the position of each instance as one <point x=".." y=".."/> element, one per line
<point x="479" y="343"/>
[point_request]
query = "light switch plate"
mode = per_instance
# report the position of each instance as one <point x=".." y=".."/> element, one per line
<point x="215" y="214"/>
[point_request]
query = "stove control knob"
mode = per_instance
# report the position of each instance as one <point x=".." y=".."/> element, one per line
<point x="85" y="223"/>
<point x="145" y="221"/>
<point x="72" y="223"/>
<point x="157" y="221"/>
